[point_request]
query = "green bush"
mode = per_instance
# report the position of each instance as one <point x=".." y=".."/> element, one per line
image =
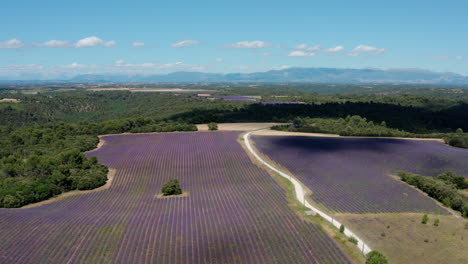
<point x="212" y="126"/>
<point x="353" y="240"/>
<point x="436" y="222"/>
<point x="342" y="228"/>
<point x="425" y="218"/>
<point x="375" y="257"/>
<point x="172" y="187"/>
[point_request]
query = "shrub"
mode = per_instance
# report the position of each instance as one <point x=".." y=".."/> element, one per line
<point x="375" y="257"/>
<point x="425" y="218"/>
<point x="382" y="234"/>
<point x="171" y="187"/>
<point x="212" y="126"/>
<point x="353" y="240"/>
<point x="342" y="228"/>
<point x="436" y="222"/>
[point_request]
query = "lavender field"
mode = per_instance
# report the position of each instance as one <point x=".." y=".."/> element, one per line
<point x="235" y="212"/>
<point x="350" y="175"/>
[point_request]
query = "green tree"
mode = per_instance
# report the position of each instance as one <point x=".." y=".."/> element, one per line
<point x="436" y="222"/>
<point x="172" y="187"/>
<point x="342" y="228"/>
<point x="375" y="257"/>
<point x="212" y="126"/>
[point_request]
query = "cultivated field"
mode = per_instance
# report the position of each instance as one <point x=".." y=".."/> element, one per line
<point x="234" y="213"/>
<point x="148" y="90"/>
<point x="351" y="174"/>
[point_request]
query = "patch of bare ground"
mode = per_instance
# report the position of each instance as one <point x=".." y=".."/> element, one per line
<point x="239" y="126"/>
<point x="9" y="100"/>
<point x="162" y="196"/>
<point x="404" y="239"/>
<point x="286" y="133"/>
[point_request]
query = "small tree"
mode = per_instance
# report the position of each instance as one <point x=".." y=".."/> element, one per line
<point x="375" y="257"/>
<point x="341" y="228"/>
<point x="425" y="218"/>
<point x="212" y="126"/>
<point x="171" y="187"/>
<point x="436" y="222"/>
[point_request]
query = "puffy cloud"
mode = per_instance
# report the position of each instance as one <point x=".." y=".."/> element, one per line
<point x="185" y="43"/>
<point x="365" y="49"/>
<point x="257" y="44"/>
<point x="459" y="58"/>
<point x="11" y="44"/>
<point x="307" y="48"/>
<point x="93" y="42"/>
<point x="218" y="60"/>
<point x="335" y="49"/>
<point x="54" y="44"/>
<point x="75" y="65"/>
<point x="300" y="53"/>
<point x="138" y="44"/>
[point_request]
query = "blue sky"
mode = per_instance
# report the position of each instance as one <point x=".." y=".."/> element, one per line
<point x="58" y="39"/>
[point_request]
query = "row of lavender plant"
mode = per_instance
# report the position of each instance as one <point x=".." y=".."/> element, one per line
<point x="235" y="212"/>
<point x="352" y="174"/>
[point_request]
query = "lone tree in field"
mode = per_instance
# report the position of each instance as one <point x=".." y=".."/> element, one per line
<point x="375" y="257"/>
<point x="171" y="187"/>
<point x="212" y="126"/>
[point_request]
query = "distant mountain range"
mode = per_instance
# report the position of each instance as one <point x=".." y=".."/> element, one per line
<point x="306" y="75"/>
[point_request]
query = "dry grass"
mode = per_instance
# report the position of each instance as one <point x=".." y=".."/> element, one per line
<point x="183" y="194"/>
<point x="407" y="240"/>
<point x="239" y="126"/>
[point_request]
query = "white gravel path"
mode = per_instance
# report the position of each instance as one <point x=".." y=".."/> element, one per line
<point x="300" y="195"/>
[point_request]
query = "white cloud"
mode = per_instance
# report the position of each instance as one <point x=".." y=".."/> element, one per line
<point x="459" y="58"/>
<point x="185" y="43"/>
<point x="307" y="48"/>
<point x="138" y="44"/>
<point x="257" y="44"/>
<point x="54" y="44"/>
<point x="365" y="49"/>
<point x="335" y="49"/>
<point x="300" y="53"/>
<point x="75" y="66"/>
<point x="283" y="67"/>
<point x="11" y="44"/>
<point x="218" y="60"/>
<point x="93" y="42"/>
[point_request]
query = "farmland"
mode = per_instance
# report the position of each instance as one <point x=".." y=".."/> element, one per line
<point x="234" y="213"/>
<point x="351" y="174"/>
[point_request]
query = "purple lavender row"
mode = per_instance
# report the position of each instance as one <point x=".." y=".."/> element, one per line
<point x="235" y="213"/>
<point x="352" y="174"/>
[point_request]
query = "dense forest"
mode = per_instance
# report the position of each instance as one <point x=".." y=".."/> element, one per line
<point x="43" y="136"/>
<point x="41" y="161"/>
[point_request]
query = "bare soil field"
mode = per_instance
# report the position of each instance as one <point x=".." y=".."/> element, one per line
<point x="239" y="126"/>
<point x="404" y="239"/>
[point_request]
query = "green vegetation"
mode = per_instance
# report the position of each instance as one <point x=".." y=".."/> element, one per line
<point x="342" y="228"/>
<point x="41" y="161"/>
<point x="353" y="240"/>
<point x="212" y="126"/>
<point x="375" y="257"/>
<point x="436" y="222"/>
<point x="360" y="126"/>
<point x="425" y="218"/>
<point x="172" y="187"/>
<point x="439" y="189"/>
